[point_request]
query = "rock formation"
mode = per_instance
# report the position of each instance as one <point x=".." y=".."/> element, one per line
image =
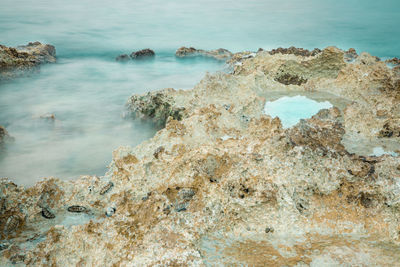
<point x="220" y="54"/>
<point x="4" y="135"/>
<point x="141" y="54"/>
<point x="224" y="184"/>
<point x="123" y="57"/>
<point x="15" y="62"/>
<point x="144" y="53"/>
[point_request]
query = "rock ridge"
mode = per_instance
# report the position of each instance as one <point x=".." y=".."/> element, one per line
<point x="224" y="184"/>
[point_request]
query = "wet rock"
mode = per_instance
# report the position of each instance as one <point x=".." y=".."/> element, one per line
<point x="46" y="213"/>
<point x="143" y="54"/>
<point x="157" y="106"/>
<point x="123" y="57"/>
<point x="393" y="61"/>
<point x="323" y="131"/>
<point x="295" y="51"/>
<point x="302" y="178"/>
<point x="48" y="117"/>
<point x="269" y="230"/>
<point x="105" y="189"/>
<point x="77" y="209"/>
<point x="287" y="78"/>
<point x="17" y="259"/>
<point x="15" y="62"/>
<point x="181" y="207"/>
<point x="220" y="54"/>
<point x="3" y="246"/>
<point x="110" y="211"/>
<point x="391" y="128"/>
<point x="326" y="65"/>
<point x="350" y="55"/>
<point x="158" y="151"/>
<point x="12" y="224"/>
<point x="4" y="136"/>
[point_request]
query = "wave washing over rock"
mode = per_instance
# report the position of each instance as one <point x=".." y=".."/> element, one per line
<point x="15" y="62"/>
<point x="224" y="184"/>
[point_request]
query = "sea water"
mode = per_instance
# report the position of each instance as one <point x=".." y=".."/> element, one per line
<point x="291" y="109"/>
<point x="86" y="89"/>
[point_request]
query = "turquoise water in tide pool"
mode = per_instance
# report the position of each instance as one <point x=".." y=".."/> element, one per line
<point x="86" y="89"/>
<point x="291" y="109"/>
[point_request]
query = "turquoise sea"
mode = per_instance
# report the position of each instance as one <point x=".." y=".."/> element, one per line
<point x="86" y="89"/>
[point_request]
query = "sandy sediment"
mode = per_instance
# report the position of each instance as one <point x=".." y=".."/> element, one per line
<point x="224" y="184"/>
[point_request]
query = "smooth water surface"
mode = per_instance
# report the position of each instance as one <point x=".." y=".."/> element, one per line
<point x="87" y="97"/>
<point x="96" y="27"/>
<point x="291" y="109"/>
<point x="86" y="89"/>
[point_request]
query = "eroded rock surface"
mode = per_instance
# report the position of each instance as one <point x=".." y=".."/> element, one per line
<point x="220" y="54"/>
<point x="225" y="184"/>
<point x="15" y="62"/>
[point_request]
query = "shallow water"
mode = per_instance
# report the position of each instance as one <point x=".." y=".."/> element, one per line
<point x="86" y="89"/>
<point x="87" y="97"/>
<point x="291" y="109"/>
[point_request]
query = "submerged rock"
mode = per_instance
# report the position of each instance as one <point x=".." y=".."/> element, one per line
<point x="123" y="57"/>
<point x="14" y="62"/>
<point x="220" y="54"/>
<point x="4" y="135"/>
<point x="142" y="54"/>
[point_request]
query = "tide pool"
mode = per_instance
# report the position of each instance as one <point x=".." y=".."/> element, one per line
<point x="291" y="109"/>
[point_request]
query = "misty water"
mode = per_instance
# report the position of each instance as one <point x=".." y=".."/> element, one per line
<point x="86" y="89"/>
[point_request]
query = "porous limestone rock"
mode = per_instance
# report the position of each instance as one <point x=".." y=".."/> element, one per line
<point x="220" y="54"/>
<point x="295" y="51"/>
<point x="15" y="62"/>
<point x="224" y="184"/>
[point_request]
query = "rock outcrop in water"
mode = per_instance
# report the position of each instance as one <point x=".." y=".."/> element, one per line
<point x="224" y="184"/>
<point x="144" y="53"/>
<point x="15" y="62"/>
<point x="141" y="54"/>
<point x="220" y="54"/>
<point x="4" y="135"/>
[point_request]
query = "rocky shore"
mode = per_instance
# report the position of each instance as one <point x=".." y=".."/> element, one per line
<point x="15" y="62"/>
<point x="224" y="184"/>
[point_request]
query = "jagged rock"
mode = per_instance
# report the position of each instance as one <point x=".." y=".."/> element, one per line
<point x="395" y="61"/>
<point x="350" y="55"/>
<point x="295" y="51"/>
<point x="323" y="131"/>
<point x="264" y="196"/>
<point x="158" y="106"/>
<point x="123" y="57"/>
<point x="142" y="54"/>
<point x="220" y="54"/>
<point x="48" y="116"/>
<point x="15" y="61"/>
<point x="326" y="65"/>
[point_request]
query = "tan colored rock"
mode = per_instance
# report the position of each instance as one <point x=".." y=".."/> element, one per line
<point x="14" y="62"/>
<point x="205" y="189"/>
<point x="220" y="54"/>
